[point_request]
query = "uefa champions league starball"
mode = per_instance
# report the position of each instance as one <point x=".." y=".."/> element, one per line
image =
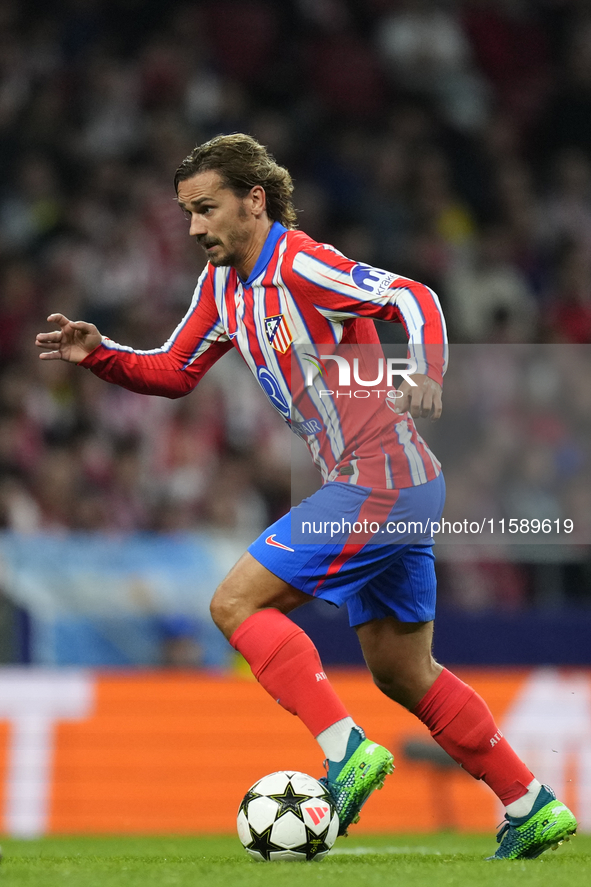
<point x="287" y="816"/>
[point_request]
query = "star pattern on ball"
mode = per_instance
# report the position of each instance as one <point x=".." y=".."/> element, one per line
<point x="248" y="797"/>
<point x="314" y="844"/>
<point x="262" y="843"/>
<point x="289" y="802"/>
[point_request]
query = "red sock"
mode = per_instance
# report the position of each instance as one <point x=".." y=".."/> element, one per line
<point x="461" y="722"/>
<point x="286" y="663"/>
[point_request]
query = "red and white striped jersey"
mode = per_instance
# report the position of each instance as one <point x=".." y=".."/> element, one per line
<point x="300" y="292"/>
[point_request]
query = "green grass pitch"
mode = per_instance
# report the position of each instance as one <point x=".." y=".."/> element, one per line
<point x="443" y="860"/>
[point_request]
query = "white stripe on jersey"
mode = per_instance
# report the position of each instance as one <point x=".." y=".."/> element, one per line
<point x="298" y="325"/>
<point x="408" y="305"/>
<point x="325" y="276"/>
<point x="444" y="329"/>
<point x="270" y="356"/>
<point x="326" y="409"/>
<point x="434" y="460"/>
<point x="241" y="329"/>
<point x="388" y="471"/>
<point x="415" y="464"/>
<point x="218" y="331"/>
<point x="302" y="335"/>
<point x="335" y="316"/>
<point x="220" y="280"/>
<point x="282" y="336"/>
<point x="205" y="344"/>
<point x="355" y="476"/>
<point x="329" y="278"/>
<point x="329" y="415"/>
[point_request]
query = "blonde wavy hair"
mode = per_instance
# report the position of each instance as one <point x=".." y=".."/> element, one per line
<point x="243" y="163"/>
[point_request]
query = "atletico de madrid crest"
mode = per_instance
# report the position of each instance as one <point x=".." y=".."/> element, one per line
<point x="278" y="333"/>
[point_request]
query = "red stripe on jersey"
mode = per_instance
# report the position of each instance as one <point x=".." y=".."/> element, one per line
<point x="339" y="309"/>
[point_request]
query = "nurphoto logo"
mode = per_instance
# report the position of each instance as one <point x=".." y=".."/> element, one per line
<point x="394" y="366"/>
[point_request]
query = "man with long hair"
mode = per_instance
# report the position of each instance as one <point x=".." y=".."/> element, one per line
<point x="266" y="290"/>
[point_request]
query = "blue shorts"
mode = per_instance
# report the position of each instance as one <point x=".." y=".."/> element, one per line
<point x="376" y="578"/>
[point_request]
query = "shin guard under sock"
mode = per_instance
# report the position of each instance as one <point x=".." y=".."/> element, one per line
<point x="461" y="722"/>
<point x="286" y="663"/>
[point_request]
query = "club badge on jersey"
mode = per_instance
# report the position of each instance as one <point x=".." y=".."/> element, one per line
<point x="278" y="333"/>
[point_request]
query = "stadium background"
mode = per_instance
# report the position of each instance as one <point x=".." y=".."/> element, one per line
<point x="450" y="142"/>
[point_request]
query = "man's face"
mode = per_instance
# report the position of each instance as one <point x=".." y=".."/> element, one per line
<point x="220" y="220"/>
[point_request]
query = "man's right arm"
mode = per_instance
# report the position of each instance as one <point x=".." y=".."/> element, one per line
<point x="170" y="371"/>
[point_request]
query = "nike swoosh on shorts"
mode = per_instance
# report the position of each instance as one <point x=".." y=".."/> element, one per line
<point x="270" y="540"/>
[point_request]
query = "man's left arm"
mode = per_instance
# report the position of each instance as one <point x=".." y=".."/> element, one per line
<point x="341" y="289"/>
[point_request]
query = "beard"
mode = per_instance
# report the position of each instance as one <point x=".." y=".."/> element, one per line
<point x="231" y="249"/>
<point x="228" y="253"/>
<point x="221" y="258"/>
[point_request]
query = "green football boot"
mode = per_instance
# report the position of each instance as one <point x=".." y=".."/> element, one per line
<point x="352" y="780"/>
<point x="548" y="825"/>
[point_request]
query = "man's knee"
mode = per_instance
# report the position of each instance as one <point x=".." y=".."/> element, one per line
<point x="233" y="602"/>
<point x="392" y="685"/>
<point x="406" y="685"/>
<point x="248" y="588"/>
<point x="226" y="608"/>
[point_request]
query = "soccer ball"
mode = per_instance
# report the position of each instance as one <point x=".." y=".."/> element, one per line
<point x="287" y="816"/>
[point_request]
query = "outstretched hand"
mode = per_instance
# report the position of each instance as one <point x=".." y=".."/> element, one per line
<point x="73" y="341"/>
<point x="421" y="400"/>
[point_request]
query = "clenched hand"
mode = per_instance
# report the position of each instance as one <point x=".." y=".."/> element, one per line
<point x="422" y="400"/>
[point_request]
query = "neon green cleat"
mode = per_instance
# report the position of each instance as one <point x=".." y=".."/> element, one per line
<point x="548" y="825"/>
<point x="352" y="780"/>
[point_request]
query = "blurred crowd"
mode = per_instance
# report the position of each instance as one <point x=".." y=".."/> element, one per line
<point x="447" y="141"/>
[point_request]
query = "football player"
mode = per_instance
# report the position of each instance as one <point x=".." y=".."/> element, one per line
<point x="267" y="290"/>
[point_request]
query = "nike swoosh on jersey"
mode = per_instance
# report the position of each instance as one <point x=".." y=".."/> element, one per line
<point x="270" y="540"/>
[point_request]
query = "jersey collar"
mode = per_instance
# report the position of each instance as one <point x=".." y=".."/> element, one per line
<point x="276" y="231"/>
